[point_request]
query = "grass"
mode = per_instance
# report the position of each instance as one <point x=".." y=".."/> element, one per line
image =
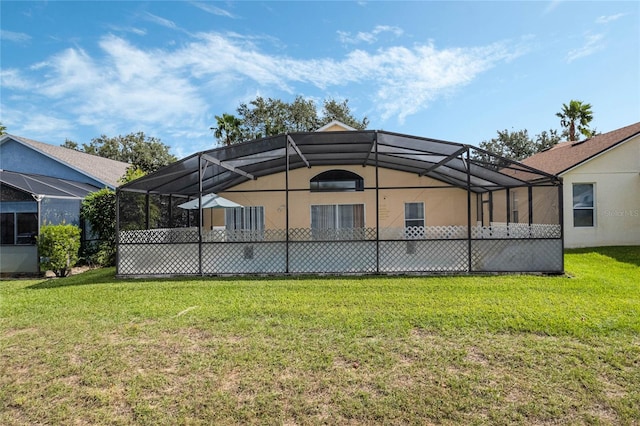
<point x="90" y="349"/>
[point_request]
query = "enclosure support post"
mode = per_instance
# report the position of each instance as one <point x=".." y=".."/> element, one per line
<point x="561" y="218"/>
<point x="469" y="265"/>
<point x="377" y="206"/>
<point x="530" y="195"/>
<point x="170" y="211"/>
<point x="200" y="221"/>
<point x="117" y="232"/>
<point x="490" y="207"/>
<point x="508" y="203"/>
<point x="286" y="203"/>
<point x="147" y="210"/>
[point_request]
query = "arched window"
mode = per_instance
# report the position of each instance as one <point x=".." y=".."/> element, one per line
<point x="337" y="181"/>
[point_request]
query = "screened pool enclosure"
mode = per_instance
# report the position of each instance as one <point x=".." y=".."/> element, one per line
<point x="28" y="202"/>
<point x="347" y="202"/>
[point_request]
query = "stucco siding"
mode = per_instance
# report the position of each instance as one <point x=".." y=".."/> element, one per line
<point x="616" y="178"/>
<point x="444" y="205"/>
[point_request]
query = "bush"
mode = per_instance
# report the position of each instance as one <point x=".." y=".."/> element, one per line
<point x="58" y="246"/>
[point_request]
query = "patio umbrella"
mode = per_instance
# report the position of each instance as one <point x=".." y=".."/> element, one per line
<point x="209" y="201"/>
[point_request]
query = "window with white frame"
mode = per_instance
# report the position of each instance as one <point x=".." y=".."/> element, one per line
<point x="413" y="222"/>
<point x="337" y="221"/>
<point x="583" y="205"/>
<point x="413" y="214"/>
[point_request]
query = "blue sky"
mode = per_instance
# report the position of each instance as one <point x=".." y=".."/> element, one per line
<point x="451" y="70"/>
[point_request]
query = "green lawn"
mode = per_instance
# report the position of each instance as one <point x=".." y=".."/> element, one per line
<point x="90" y="349"/>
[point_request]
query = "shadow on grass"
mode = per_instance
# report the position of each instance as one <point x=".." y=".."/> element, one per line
<point x="93" y="276"/>
<point x="107" y="276"/>
<point x="624" y="254"/>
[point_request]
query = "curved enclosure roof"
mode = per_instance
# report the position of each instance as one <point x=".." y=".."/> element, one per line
<point x="456" y="164"/>
<point x="45" y="185"/>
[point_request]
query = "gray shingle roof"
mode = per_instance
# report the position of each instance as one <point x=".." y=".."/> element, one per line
<point x="102" y="169"/>
<point x="567" y="155"/>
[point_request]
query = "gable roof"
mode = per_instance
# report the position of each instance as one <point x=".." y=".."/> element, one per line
<point x="567" y="155"/>
<point x="104" y="170"/>
<point x="334" y="126"/>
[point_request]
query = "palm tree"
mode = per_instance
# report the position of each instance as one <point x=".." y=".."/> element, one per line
<point x="574" y="117"/>
<point x="228" y="129"/>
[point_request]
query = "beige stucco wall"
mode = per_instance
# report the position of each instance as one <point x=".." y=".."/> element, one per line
<point x="616" y="175"/>
<point x="444" y="205"/>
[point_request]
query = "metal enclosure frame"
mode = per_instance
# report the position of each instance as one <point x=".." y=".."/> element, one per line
<point x="483" y="247"/>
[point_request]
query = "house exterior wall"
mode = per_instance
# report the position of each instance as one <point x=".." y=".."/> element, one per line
<point x="444" y="205"/>
<point x="19" y="259"/>
<point x="17" y="157"/>
<point x="616" y="178"/>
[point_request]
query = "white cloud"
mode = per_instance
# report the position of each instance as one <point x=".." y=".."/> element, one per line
<point x="36" y="124"/>
<point x="169" y="90"/>
<point x="593" y="43"/>
<point x="160" y="21"/>
<point x="368" y="37"/>
<point x="610" y="18"/>
<point x="128" y="85"/>
<point x="214" y="10"/>
<point x="12" y="79"/>
<point x="13" y="36"/>
<point x="553" y="5"/>
<point x="134" y="30"/>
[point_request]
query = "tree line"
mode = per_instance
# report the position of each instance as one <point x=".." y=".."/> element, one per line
<point x="269" y="117"/>
<point x="517" y="145"/>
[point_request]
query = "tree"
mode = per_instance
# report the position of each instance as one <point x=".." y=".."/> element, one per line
<point x="132" y="173"/>
<point x="263" y="117"/>
<point x="516" y="145"/>
<point x="576" y="116"/>
<point x="99" y="210"/>
<point x="334" y="110"/>
<point x="268" y="117"/>
<point x="546" y="140"/>
<point x="141" y="151"/>
<point x="68" y="143"/>
<point x="303" y="116"/>
<point x="3" y="129"/>
<point x="227" y="129"/>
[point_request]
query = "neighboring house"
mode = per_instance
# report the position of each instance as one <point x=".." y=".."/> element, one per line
<point x="340" y="201"/>
<point x="601" y="178"/>
<point x="42" y="183"/>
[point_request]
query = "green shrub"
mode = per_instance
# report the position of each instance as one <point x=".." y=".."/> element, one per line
<point x="58" y="246"/>
<point x="99" y="210"/>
